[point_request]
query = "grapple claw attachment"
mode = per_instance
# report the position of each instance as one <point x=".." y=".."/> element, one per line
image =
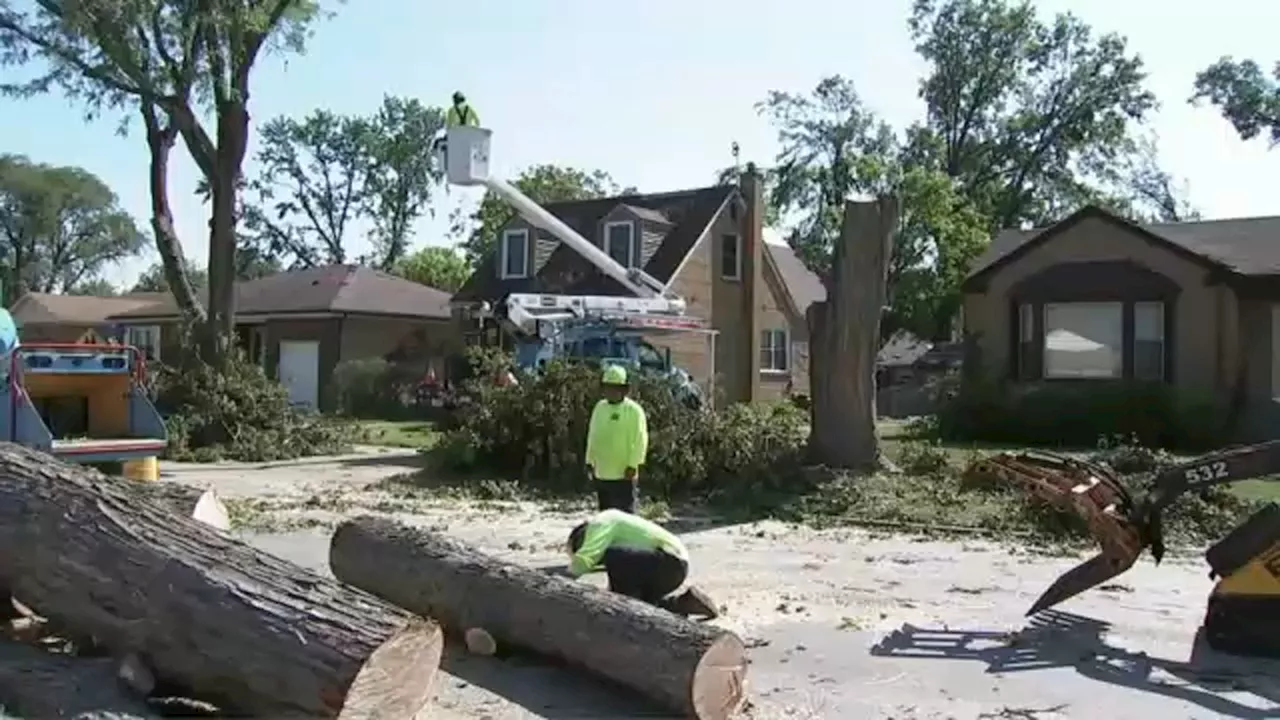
<point x="1092" y="492"/>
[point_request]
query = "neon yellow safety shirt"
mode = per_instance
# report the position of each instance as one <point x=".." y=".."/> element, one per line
<point x="614" y="528"/>
<point x="461" y="115"/>
<point x="617" y="438"/>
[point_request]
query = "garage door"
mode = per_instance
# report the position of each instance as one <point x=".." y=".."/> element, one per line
<point x="299" y="371"/>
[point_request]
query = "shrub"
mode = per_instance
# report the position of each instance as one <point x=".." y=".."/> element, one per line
<point x="373" y="388"/>
<point x="1076" y="414"/>
<point x="237" y="413"/>
<point x="536" y="431"/>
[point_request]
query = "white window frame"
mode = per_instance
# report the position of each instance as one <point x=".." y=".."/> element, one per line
<point x="1118" y="367"/>
<point x="152" y="343"/>
<point x="631" y="240"/>
<point x="778" y="339"/>
<point x="507" y="237"/>
<point x="1160" y="308"/>
<point x="737" y="255"/>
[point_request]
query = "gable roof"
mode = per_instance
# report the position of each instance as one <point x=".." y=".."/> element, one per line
<point x="51" y="309"/>
<point x="1243" y="246"/>
<point x="682" y="217"/>
<point x="328" y="289"/>
<point x="803" y="286"/>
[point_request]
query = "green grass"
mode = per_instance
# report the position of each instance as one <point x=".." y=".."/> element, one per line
<point x="413" y="434"/>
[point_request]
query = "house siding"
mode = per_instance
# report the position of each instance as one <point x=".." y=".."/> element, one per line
<point x="370" y="337"/>
<point x="1201" y="345"/>
<point x="776" y="314"/>
<point x="692" y="351"/>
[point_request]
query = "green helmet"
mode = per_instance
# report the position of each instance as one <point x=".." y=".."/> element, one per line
<point x="614" y="375"/>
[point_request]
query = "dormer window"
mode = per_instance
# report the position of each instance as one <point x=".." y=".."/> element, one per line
<point x="514" y="260"/>
<point x="620" y="242"/>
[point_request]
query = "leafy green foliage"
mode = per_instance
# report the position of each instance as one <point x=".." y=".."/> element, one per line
<point x="60" y="227"/>
<point x="536" y="431"/>
<point x="1247" y="97"/>
<point x="478" y="232"/>
<point x="1067" y="415"/>
<point x="235" y="412"/>
<point x="320" y="175"/>
<point x="443" y="268"/>
<point x="373" y="388"/>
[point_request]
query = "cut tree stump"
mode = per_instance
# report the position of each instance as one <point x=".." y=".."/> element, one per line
<point x="844" y="339"/>
<point x="203" y="611"/>
<point x="39" y="684"/>
<point x="695" y="669"/>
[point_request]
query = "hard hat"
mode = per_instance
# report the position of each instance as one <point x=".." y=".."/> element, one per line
<point x="614" y="375"/>
<point x="458" y="97"/>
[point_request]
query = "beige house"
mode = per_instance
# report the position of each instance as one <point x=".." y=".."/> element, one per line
<point x="1096" y="298"/>
<point x="707" y="245"/>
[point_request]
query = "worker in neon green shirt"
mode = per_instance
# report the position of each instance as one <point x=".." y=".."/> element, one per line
<point x="617" y="441"/>
<point x="461" y="113"/>
<point x="642" y="559"/>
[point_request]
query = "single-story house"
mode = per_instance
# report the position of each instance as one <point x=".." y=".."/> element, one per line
<point x="1095" y="298"/>
<point x="300" y="324"/>
<point x="48" y="317"/>
<point x="708" y="246"/>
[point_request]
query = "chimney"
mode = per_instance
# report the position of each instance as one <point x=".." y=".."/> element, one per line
<point x="753" y="290"/>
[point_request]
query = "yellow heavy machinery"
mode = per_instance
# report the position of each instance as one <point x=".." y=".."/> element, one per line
<point x="1243" y="614"/>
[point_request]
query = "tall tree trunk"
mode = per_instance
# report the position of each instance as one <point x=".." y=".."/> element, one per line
<point x="160" y="140"/>
<point x="233" y="129"/>
<point x="844" y="338"/>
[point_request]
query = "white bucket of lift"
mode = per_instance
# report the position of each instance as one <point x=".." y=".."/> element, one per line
<point x="467" y="154"/>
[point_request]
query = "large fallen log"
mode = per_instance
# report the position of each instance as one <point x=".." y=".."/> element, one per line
<point x="203" y="611"/>
<point x="687" y="667"/>
<point x="39" y="684"/>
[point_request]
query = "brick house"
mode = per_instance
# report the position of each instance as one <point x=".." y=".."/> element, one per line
<point x="707" y="244"/>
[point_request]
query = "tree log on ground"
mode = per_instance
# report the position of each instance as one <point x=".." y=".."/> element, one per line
<point x="205" y="612"/>
<point x="844" y="338"/>
<point x="687" y="667"/>
<point x="39" y="684"/>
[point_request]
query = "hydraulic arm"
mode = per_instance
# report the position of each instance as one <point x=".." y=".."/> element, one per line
<point x="1124" y="525"/>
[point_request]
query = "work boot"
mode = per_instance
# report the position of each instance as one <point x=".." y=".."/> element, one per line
<point x="693" y="603"/>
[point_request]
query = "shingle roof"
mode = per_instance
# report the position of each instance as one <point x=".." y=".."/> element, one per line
<point x="802" y="284"/>
<point x="48" y="308"/>
<point x="333" y="288"/>
<point x="684" y="214"/>
<point x="1248" y="246"/>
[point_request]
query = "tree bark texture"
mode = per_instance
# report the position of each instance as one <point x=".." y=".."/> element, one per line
<point x="203" y="611"/>
<point x="160" y="141"/>
<point x="39" y="684"/>
<point x="844" y="338"/>
<point x="691" y="668"/>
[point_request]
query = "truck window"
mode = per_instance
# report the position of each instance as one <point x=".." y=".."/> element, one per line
<point x="595" y="348"/>
<point x="649" y="357"/>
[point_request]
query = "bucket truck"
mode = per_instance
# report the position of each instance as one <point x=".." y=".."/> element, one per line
<point x="595" y="327"/>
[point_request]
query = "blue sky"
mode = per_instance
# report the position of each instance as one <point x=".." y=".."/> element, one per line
<point x="654" y="92"/>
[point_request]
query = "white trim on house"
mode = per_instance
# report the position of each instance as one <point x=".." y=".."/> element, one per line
<point x="773" y="347"/>
<point x="509" y="234"/>
<point x="632" y="250"/>
<point x="1275" y="352"/>
<point x="737" y="256"/>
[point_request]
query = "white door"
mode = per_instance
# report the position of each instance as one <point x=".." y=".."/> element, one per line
<point x="299" y="371"/>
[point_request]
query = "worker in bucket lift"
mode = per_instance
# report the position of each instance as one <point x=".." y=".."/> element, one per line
<point x="460" y="113"/>
<point x="617" y="442"/>
<point x="642" y="559"/>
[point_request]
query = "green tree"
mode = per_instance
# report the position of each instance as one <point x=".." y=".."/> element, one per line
<point x="169" y="62"/>
<point x="320" y="177"/>
<point x="98" y="287"/>
<point x="443" y="268"/>
<point x="154" y="279"/>
<point x="1031" y="118"/>
<point x="478" y="231"/>
<point x="832" y="147"/>
<point x="60" y="227"/>
<point x="1246" y="96"/>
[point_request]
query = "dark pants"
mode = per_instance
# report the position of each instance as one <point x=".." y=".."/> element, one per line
<point x="648" y="575"/>
<point x="617" y="495"/>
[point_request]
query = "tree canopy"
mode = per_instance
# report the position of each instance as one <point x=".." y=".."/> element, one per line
<point x="1246" y="96"/>
<point x="443" y="268"/>
<point x="60" y="227"/>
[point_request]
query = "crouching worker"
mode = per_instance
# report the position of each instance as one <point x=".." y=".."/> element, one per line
<point x="642" y="559"/>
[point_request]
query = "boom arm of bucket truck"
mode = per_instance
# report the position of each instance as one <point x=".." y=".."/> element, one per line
<point x="465" y="158"/>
